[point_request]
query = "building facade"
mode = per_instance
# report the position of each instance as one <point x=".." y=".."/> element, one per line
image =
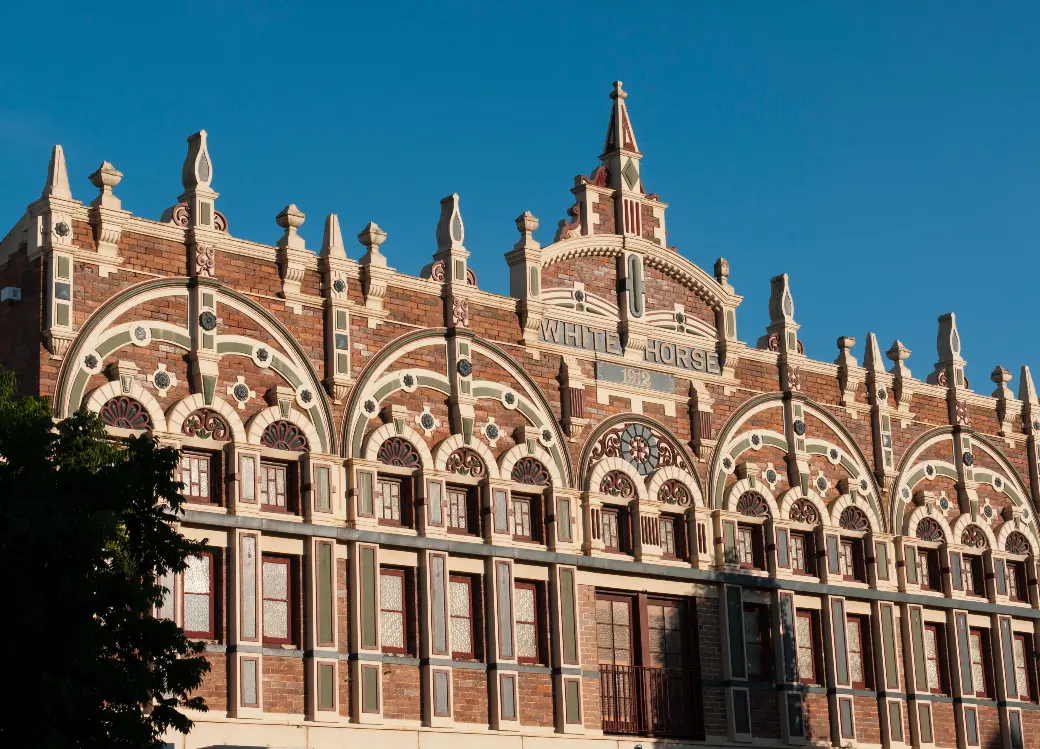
<point x="585" y="514"/>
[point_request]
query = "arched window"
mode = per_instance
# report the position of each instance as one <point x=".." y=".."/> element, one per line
<point x="124" y="412"/>
<point x="530" y="470"/>
<point x="804" y="511"/>
<point x="398" y="452"/>
<point x="853" y="519"/>
<point x="753" y="505"/>
<point x="284" y="435"/>
<point x="928" y="529"/>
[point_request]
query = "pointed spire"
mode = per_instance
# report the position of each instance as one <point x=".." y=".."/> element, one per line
<point x="450" y="230"/>
<point x="1026" y="389"/>
<point x="872" y="360"/>
<point x="620" y="136"/>
<point x="57" y="176"/>
<point x="332" y="240"/>
<point x="781" y="303"/>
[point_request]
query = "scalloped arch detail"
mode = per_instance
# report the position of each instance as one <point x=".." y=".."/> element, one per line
<point x="795" y="493"/>
<point x="179" y="411"/>
<point x="377" y="437"/>
<point x="919" y="514"/>
<point x="456" y="441"/>
<point x="674" y="473"/>
<point x="508" y="459"/>
<point x="256" y="425"/>
<point x="101" y="395"/>
<point x="961" y="524"/>
<point x="1010" y="527"/>
<point x="848" y="500"/>
<point x="746" y="485"/>
<point x="607" y="465"/>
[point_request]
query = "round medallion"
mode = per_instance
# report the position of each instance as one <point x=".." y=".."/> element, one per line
<point x="306" y="396"/>
<point x="987" y="511"/>
<point x="62" y="229"/>
<point x="263" y="354"/>
<point x="1036" y="425"/>
<point x="968" y="458"/>
<point x="546" y="435"/>
<point x="90" y="361"/>
<point x="882" y="394"/>
<point x="140" y="333"/>
<point x="906" y="492"/>
<point x="863" y="485"/>
<point x="370" y="406"/>
<point x="639" y="446"/>
<point x="833" y="452"/>
<point x="510" y="399"/>
<point x="241" y="392"/>
<point x="339" y="285"/>
<point x="491" y="431"/>
<point x="579" y="296"/>
<point x="944" y="503"/>
<point x="208" y="320"/>
<point x="930" y="470"/>
<point x="799" y="427"/>
<point x="464" y="367"/>
<point x="680" y="318"/>
<point x="727" y="463"/>
<point x="771" y="476"/>
<point x="426" y="420"/>
<point x="408" y="380"/>
<point x="998" y="483"/>
<point x="821" y="484"/>
<point x="756" y="440"/>
<point x="161" y="380"/>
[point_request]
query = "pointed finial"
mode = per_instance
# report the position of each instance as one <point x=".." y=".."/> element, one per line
<point x="197" y="171"/>
<point x="527" y="225"/>
<point x="781" y="303"/>
<point x="450" y="229"/>
<point x="291" y="218"/>
<point x="845" y="356"/>
<point x="1026" y="389"/>
<point x="106" y="177"/>
<point x="57" y="176"/>
<point x="721" y="270"/>
<point x="332" y="239"/>
<point x="619" y="131"/>
<point x="949" y="341"/>
<point x="371" y="237"/>
<point x="618" y="92"/>
<point x="872" y="360"/>
<point x="1001" y="377"/>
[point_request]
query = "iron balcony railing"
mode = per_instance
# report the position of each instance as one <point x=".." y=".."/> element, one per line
<point x="646" y="701"/>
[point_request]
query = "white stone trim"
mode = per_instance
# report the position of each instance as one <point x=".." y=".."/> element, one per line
<point x="674" y="473"/>
<point x="1015" y="525"/>
<point x="792" y="495"/>
<point x="454" y="442"/>
<point x="508" y="459"/>
<point x="745" y="485"/>
<point x="259" y="422"/>
<point x="606" y="465"/>
<point x="377" y="437"/>
<point x="915" y="517"/>
<point x="179" y="411"/>
<point x="850" y="500"/>
<point x="964" y="521"/>
<point x="100" y="396"/>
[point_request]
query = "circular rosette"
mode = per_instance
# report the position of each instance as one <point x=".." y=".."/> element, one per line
<point x="641" y="448"/>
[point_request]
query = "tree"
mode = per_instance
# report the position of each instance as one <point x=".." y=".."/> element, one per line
<point x="85" y="536"/>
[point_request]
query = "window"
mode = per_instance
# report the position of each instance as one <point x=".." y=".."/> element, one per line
<point x="461" y="608"/>
<point x="664" y="622"/>
<point x="278" y="596"/>
<point x="981" y="662"/>
<point x="803" y="553"/>
<point x="857" y="639"/>
<point x="198" y="597"/>
<point x="461" y="516"/>
<point x="200" y="474"/>
<point x="934" y="658"/>
<point x="750" y="553"/>
<point x="1016" y="581"/>
<point x="393" y="610"/>
<point x="524" y="509"/>
<point x="167" y="609"/>
<point x="1025" y="676"/>
<point x="612" y="528"/>
<point x="971" y="574"/>
<point x="615" y="641"/>
<point x="667" y="532"/>
<point x="388" y="501"/>
<point x="928" y="569"/>
<point x="277" y="490"/>
<point x="851" y="560"/>
<point x="806" y="629"/>
<point x="757" y="641"/>
<point x="528" y="634"/>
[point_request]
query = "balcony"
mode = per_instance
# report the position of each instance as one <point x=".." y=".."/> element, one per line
<point x="645" y="701"/>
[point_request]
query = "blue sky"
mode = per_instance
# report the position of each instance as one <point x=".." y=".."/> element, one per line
<point x="886" y="155"/>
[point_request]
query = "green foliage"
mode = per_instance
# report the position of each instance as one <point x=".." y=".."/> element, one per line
<point x="85" y="536"/>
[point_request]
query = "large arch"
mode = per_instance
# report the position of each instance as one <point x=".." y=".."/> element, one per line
<point x="73" y="376"/>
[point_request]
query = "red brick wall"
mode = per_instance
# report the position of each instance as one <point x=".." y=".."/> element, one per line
<point x="470" y="696"/>
<point x="536" y="700"/>
<point x="283" y="685"/>
<point x="401" y="699"/>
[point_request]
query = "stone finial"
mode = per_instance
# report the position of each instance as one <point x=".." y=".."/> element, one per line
<point x="781" y="303"/>
<point x="1001" y="377"/>
<point x="722" y="271"/>
<point x="105" y="178"/>
<point x="527" y="225"/>
<point x="619" y="132"/>
<point x="197" y="172"/>
<point x="949" y="370"/>
<point x="1026" y="389"/>
<point x="898" y="353"/>
<point x="332" y="239"/>
<point x="450" y="230"/>
<point x="845" y="357"/>
<point x="872" y="360"/>
<point x="291" y="219"/>
<point x="371" y="237"/>
<point x="57" y="176"/>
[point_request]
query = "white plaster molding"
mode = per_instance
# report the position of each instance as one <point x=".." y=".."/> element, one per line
<point x="378" y="436"/>
<point x="179" y="411"/>
<point x="100" y="396"/>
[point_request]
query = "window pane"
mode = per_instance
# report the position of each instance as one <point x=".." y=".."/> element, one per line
<point x="667" y="536"/>
<point x="852" y="637"/>
<point x="931" y="659"/>
<point x="457" y="509"/>
<point x="745" y="546"/>
<point x="798" y="552"/>
<point x="197" y="575"/>
<point x="806" y="663"/>
<point x="526" y="641"/>
<point x="390" y="499"/>
<point x="978" y="673"/>
<point x="459" y="608"/>
<point x="276" y="580"/>
<point x="196" y="612"/>
<point x="1021" y="675"/>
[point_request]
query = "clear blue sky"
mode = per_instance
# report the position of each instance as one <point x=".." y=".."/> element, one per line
<point x="885" y="154"/>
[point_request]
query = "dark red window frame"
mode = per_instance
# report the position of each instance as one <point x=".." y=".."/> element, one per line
<point x="292" y="598"/>
<point x="473" y="584"/>
<point x="808" y="553"/>
<point x="292" y="486"/>
<point x="1029" y="666"/>
<point x="940" y="661"/>
<point x="536" y="590"/>
<point x="813" y="647"/>
<point x="471" y="516"/>
<point x="405" y="611"/>
<point x="866" y="654"/>
<point x="763" y="641"/>
<point x="985" y="660"/>
<point x="972" y="575"/>
<point x="1017" y="571"/>
<point x="211" y="632"/>
<point x="758" y="547"/>
<point x="621" y="519"/>
<point x="214" y="480"/>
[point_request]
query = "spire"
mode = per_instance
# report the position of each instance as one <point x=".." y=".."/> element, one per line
<point x="620" y="136"/>
<point x="1026" y="389"/>
<point x="332" y="240"/>
<point x="197" y="171"/>
<point x="872" y="360"/>
<point x="57" y="176"/>
<point x="949" y="370"/>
